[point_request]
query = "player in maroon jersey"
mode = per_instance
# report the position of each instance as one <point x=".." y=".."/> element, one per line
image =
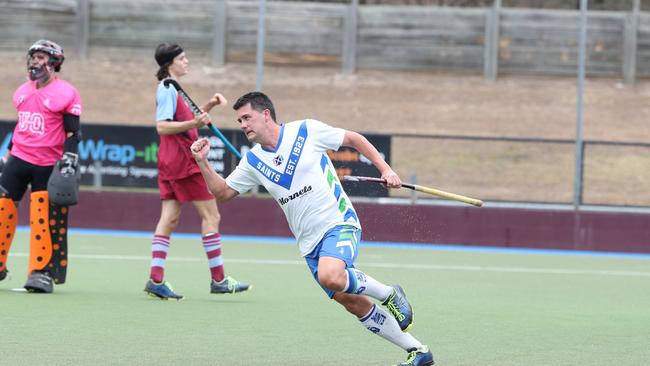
<point x="180" y="179"/>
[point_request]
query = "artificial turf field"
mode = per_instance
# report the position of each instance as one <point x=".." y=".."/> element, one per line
<point x="472" y="307"/>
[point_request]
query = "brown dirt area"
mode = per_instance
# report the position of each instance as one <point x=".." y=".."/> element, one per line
<point x="119" y="89"/>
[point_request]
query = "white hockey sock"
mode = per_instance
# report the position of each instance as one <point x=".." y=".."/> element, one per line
<point x="360" y="283"/>
<point x="380" y="322"/>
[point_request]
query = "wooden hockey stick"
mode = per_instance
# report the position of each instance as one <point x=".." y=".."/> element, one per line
<point x="423" y="189"/>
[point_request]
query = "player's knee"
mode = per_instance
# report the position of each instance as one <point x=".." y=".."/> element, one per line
<point x="332" y="279"/>
<point x="171" y="222"/>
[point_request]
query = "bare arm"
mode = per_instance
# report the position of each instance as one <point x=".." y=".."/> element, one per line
<point x="216" y="183"/>
<point x="362" y="145"/>
<point x="175" y="127"/>
<point x="217" y="99"/>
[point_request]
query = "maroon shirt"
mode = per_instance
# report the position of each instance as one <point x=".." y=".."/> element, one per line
<point x="175" y="159"/>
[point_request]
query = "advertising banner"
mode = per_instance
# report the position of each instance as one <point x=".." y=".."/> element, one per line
<point x="126" y="156"/>
<point x="348" y="161"/>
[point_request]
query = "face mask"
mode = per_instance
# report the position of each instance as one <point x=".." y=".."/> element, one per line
<point x="40" y="73"/>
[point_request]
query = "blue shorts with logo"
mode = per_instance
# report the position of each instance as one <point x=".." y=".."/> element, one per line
<point x="340" y="242"/>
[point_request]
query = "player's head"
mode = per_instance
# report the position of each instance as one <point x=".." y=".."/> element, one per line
<point x="258" y="101"/>
<point x="43" y="58"/>
<point x="165" y="55"/>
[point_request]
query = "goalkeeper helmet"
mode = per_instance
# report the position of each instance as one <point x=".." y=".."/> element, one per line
<point x="52" y="49"/>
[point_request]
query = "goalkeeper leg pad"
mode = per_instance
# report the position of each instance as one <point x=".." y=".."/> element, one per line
<point x="8" y="222"/>
<point x="49" y="237"/>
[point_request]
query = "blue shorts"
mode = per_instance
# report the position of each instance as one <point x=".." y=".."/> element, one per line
<point x="340" y="242"/>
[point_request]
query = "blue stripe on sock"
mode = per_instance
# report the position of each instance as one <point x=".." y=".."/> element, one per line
<point x="372" y="311"/>
<point x="352" y="281"/>
<point x="216" y="261"/>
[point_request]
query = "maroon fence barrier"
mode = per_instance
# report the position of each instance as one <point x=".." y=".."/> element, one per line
<point x="486" y="226"/>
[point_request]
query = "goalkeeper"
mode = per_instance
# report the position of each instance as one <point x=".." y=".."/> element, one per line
<point x="43" y="155"/>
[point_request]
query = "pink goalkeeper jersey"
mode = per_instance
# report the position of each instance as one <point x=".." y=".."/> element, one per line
<point x="39" y="135"/>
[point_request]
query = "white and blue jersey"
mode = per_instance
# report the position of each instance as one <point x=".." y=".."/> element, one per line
<point x="301" y="178"/>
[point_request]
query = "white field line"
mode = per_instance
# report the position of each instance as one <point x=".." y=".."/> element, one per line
<point x="432" y="267"/>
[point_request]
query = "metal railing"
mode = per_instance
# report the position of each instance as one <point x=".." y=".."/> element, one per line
<point x="524" y="169"/>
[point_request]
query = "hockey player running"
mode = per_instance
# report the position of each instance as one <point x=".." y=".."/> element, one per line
<point x="291" y="162"/>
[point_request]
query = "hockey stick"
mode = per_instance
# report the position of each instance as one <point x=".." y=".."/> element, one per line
<point x="196" y="110"/>
<point x="415" y="187"/>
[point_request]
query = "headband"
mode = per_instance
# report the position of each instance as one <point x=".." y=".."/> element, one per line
<point x="168" y="56"/>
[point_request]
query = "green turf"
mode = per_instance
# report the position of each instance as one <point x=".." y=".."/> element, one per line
<point x="471" y="308"/>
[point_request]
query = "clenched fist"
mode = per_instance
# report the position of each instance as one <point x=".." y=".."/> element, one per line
<point x="200" y="149"/>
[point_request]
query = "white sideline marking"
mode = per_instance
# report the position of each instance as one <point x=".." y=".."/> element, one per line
<point x="432" y="267"/>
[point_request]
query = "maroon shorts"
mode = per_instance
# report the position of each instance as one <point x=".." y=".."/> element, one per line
<point x="192" y="188"/>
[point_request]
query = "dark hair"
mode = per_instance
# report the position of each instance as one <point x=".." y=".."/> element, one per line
<point x="165" y="54"/>
<point x="258" y="100"/>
